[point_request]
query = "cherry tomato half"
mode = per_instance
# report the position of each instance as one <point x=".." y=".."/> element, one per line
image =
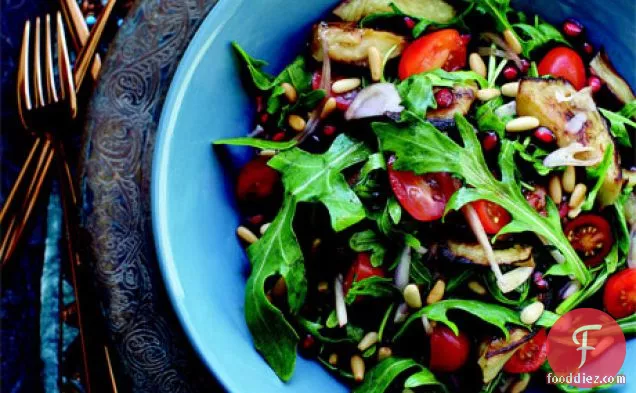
<point x="530" y="356"/>
<point x="448" y="351"/>
<point x="591" y="236"/>
<point x="620" y="294"/>
<point x="424" y="197"/>
<point x="565" y="63"/>
<point x="492" y="216"/>
<point x="360" y="269"/>
<point x="256" y="180"/>
<point x="441" y="49"/>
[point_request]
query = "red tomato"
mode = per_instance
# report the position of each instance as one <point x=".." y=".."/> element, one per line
<point x="591" y="236"/>
<point x="620" y="294"/>
<point x="492" y="216"/>
<point x="441" y="49"/>
<point x="530" y="356"/>
<point x="361" y="269"/>
<point x="424" y="197"/>
<point x="256" y="180"/>
<point x="448" y="351"/>
<point x="564" y="63"/>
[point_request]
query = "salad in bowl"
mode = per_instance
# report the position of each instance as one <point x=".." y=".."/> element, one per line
<point x="434" y="185"/>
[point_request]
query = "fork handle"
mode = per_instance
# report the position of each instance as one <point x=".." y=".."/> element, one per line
<point x="19" y="182"/>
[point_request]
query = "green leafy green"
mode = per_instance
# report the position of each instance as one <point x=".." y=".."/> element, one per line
<point x="497" y="9"/>
<point x="307" y="178"/>
<point x="385" y="320"/>
<point x="619" y="122"/>
<point x="380" y="377"/>
<point x="257" y="143"/>
<point x="628" y="324"/>
<point x="377" y="287"/>
<point x="548" y="319"/>
<point x="534" y="155"/>
<point x="417" y="91"/>
<point x="599" y="173"/>
<point x="419" y="273"/>
<point x="621" y="230"/>
<point x="495" y="291"/>
<point x="538" y="35"/>
<point x="368" y="240"/>
<point x="315" y="329"/>
<point x="533" y="72"/>
<point x="370" y="181"/>
<point x="493" y="314"/>
<point x="459" y="280"/>
<point x="306" y="102"/>
<point x="487" y="120"/>
<point x="421" y="148"/>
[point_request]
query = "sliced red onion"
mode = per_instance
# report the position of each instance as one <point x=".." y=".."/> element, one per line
<point x="258" y="130"/>
<point x="375" y="100"/>
<point x="427" y="325"/>
<point x="421" y="250"/>
<point x="341" y="307"/>
<point x="488" y="51"/>
<point x="566" y="156"/>
<point x="509" y="109"/>
<point x="570" y="289"/>
<point x="401" y="313"/>
<point x="575" y="124"/>
<point x="403" y="269"/>
<point x="499" y="41"/>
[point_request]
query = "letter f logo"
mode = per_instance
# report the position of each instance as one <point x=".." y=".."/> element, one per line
<point x="583" y="344"/>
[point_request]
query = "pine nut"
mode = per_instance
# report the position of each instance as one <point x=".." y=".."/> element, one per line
<point x="574" y="213"/>
<point x="246" y="235"/>
<point x="578" y="196"/>
<point x="487" y="94"/>
<point x="357" y="368"/>
<point x="477" y="64"/>
<point x="280" y="288"/>
<point x="290" y="92"/>
<point x="267" y="153"/>
<point x="296" y="122"/>
<point x="323" y="286"/>
<point x="477" y="288"/>
<point x="412" y="296"/>
<point x="437" y="293"/>
<point x="333" y="359"/>
<point x="369" y="340"/>
<point x="375" y="63"/>
<point x="555" y="189"/>
<point x="523" y="123"/>
<point x="384" y="353"/>
<point x="345" y="85"/>
<point x="532" y="312"/>
<point x="569" y="179"/>
<point x="264" y="227"/>
<point x="510" y="89"/>
<point x="328" y="108"/>
<point x="521" y="385"/>
<point x="512" y="41"/>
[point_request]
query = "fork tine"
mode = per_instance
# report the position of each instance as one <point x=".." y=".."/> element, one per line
<point x="37" y="67"/>
<point x="51" y="91"/>
<point x="66" y="73"/>
<point x="24" y="93"/>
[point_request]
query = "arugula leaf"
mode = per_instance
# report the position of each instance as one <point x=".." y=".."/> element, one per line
<point x="497" y="9"/>
<point x="619" y="122"/>
<point x="369" y="241"/>
<point x="598" y="172"/>
<point x="628" y="324"/>
<point x="487" y="120"/>
<point x="376" y="287"/>
<point x="493" y="314"/>
<point x="491" y="284"/>
<point x="315" y="328"/>
<point x="458" y="280"/>
<point x="621" y="230"/>
<point x="384" y="322"/>
<point x="307" y="178"/>
<point x="538" y="35"/>
<point x="548" y="319"/>
<point x="583" y="294"/>
<point x="369" y="182"/>
<point x="421" y="148"/>
<point x="534" y="155"/>
<point x="261" y="79"/>
<point x="257" y="143"/>
<point x="306" y="102"/>
<point x="380" y="377"/>
<point x="417" y="91"/>
<point x="533" y="72"/>
<point x="419" y="274"/>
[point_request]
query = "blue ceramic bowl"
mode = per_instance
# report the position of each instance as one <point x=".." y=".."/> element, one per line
<point x="192" y="194"/>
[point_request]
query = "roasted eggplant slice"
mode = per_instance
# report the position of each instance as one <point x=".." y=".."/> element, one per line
<point x="496" y="352"/>
<point x="558" y="105"/>
<point x="602" y="67"/>
<point x="349" y="44"/>
<point x="434" y="10"/>
<point x="474" y="253"/>
<point x="463" y="98"/>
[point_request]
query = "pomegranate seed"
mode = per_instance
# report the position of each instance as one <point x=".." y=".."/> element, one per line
<point x="259" y="104"/>
<point x="308" y="346"/>
<point x="490" y="141"/>
<point x="595" y="83"/>
<point x="510" y="73"/>
<point x="444" y="98"/>
<point x="316" y="79"/>
<point x="540" y="282"/>
<point x="588" y="48"/>
<point x="279" y="136"/>
<point x="564" y="209"/>
<point x="466" y="39"/>
<point x="544" y="134"/>
<point x="410" y="23"/>
<point x="524" y="66"/>
<point x="256" y="220"/>
<point x="572" y="28"/>
<point x="329" y="130"/>
<point x="264" y="118"/>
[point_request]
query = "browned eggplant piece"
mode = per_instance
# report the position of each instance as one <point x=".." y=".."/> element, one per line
<point x="517" y="255"/>
<point x="434" y="10"/>
<point x="463" y="98"/>
<point x="349" y="44"/>
<point x="495" y="353"/>
<point x="555" y="102"/>
<point x="602" y="67"/>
